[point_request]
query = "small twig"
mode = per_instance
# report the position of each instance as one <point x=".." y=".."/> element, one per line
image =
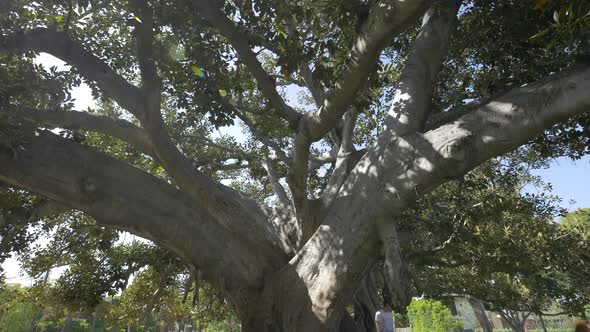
<point x="69" y="17"/>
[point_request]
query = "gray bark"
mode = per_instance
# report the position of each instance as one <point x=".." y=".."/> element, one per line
<point x="394" y="268"/>
<point x="98" y="185"/>
<point x="61" y="46"/>
<point x="411" y="102"/>
<point x="385" y="19"/>
<point x="366" y="303"/>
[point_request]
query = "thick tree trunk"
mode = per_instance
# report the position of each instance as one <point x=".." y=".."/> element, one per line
<point x="519" y="328"/>
<point x="283" y="304"/>
<point x="365" y="307"/>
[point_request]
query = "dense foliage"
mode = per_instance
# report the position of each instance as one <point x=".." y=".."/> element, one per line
<point x="490" y="240"/>
<point x="150" y="303"/>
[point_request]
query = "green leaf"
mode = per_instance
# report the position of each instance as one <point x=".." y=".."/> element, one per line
<point x="540" y="34"/>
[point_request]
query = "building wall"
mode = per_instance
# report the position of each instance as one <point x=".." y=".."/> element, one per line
<point x="497" y="322"/>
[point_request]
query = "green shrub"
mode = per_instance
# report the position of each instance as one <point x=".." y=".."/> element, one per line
<point x="432" y="316"/>
<point x="17" y="318"/>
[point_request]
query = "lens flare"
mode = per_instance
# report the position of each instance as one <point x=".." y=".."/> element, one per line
<point x="199" y="72"/>
<point x="222" y="92"/>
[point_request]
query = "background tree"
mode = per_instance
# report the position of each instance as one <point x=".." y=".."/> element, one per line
<point x="167" y="73"/>
<point x="520" y="261"/>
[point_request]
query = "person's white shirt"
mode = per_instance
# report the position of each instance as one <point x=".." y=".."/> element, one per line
<point x="384" y="321"/>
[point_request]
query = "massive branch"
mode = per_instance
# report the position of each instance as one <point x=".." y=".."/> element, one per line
<point x="120" y="195"/>
<point x="397" y="169"/>
<point x="223" y="203"/>
<point x="217" y="199"/>
<point x="413" y="96"/>
<point x="385" y="20"/>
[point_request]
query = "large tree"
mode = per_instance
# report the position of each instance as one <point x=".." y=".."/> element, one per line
<point x="385" y="123"/>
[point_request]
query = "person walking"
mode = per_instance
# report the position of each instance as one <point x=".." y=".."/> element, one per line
<point x="384" y="321"/>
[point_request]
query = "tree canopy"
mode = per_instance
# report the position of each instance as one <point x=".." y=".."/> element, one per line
<point x="387" y="136"/>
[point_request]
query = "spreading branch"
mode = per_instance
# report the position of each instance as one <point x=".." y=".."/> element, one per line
<point x="315" y="87"/>
<point x="91" y="67"/>
<point x="240" y="42"/>
<point x="386" y="19"/>
<point x="318" y="160"/>
<point x="70" y="174"/>
<point x="413" y="96"/>
<point x="274" y="180"/>
<point x="298" y="174"/>
<point x="438" y="119"/>
<point x="396" y="170"/>
<point x="343" y="160"/>
<point x="118" y="128"/>
<point x="262" y="138"/>
<point x="220" y="201"/>
<point x="144" y="36"/>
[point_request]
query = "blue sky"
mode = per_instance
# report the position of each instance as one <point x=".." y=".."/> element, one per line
<point x="570" y="180"/>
